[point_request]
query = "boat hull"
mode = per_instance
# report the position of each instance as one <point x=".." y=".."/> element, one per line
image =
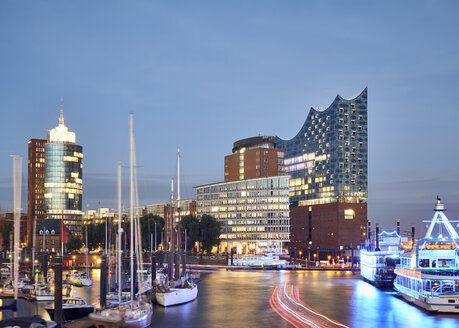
<point x="433" y="304"/>
<point x="73" y="313"/>
<point x="144" y="321"/>
<point x="42" y="298"/>
<point x="177" y="296"/>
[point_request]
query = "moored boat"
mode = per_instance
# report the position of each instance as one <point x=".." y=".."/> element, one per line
<point x="379" y="259"/>
<point x="132" y="314"/>
<point x="73" y="308"/>
<point x="176" y="296"/>
<point x="429" y="275"/>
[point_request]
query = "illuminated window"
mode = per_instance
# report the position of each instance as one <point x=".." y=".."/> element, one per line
<point x="349" y="214"/>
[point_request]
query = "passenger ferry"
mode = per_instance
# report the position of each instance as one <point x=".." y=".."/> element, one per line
<point x="268" y="260"/>
<point x="429" y="275"/>
<point x="378" y="262"/>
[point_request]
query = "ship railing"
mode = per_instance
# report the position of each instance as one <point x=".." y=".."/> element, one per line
<point x="441" y="272"/>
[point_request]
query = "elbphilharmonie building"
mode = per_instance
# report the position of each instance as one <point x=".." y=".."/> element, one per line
<point x="328" y="164"/>
<point x="327" y="159"/>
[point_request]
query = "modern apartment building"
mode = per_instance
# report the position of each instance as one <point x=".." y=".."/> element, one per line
<point x="35" y="186"/>
<point x="254" y="213"/>
<point x="254" y="158"/>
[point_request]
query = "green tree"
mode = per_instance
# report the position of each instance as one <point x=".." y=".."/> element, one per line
<point x="147" y="228"/>
<point x="209" y="229"/>
<point x="191" y="224"/>
<point x="96" y="235"/>
<point x="75" y="243"/>
<point x="5" y="231"/>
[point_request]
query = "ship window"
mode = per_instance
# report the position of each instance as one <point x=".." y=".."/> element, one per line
<point x="424" y="263"/>
<point x="445" y="263"/>
<point x="446" y="286"/>
<point x="427" y="285"/>
<point x="434" y="264"/>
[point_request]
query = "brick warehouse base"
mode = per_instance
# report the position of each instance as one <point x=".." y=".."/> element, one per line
<point x="330" y="226"/>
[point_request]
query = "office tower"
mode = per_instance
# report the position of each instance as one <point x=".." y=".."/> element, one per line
<point x="64" y="177"/>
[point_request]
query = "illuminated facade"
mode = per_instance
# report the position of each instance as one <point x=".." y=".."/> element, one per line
<point x="64" y="177"/>
<point x="254" y="158"/>
<point x="35" y="185"/>
<point x="327" y="159"/>
<point x="254" y="213"/>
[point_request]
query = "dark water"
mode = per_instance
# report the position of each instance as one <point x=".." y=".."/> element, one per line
<point x="241" y="299"/>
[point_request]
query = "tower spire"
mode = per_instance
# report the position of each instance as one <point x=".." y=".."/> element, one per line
<point x="61" y="117"/>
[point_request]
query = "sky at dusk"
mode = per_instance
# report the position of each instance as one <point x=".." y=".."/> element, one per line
<point x="199" y="75"/>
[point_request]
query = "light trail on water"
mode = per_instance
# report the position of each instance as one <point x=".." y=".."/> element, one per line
<point x="286" y="302"/>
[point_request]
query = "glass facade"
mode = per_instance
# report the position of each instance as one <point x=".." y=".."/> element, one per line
<point x="254" y="213"/>
<point x="64" y="177"/>
<point x="327" y="159"/>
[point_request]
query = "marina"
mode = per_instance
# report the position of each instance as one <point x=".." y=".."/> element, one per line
<point x="233" y="298"/>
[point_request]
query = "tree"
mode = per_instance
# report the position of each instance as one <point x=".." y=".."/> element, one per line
<point x="75" y="243"/>
<point x="5" y="231"/>
<point x="147" y="228"/>
<point x="191" y="224"/>
<point x="209" y="229"/>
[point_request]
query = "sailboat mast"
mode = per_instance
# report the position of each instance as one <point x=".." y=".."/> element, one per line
<point x="17" y="183"/>
<point x="179" y="234"/>
<point x="131" y="170"/>
<point x="34" y="228"/>
<point x="119" y="232"/>
<point x="87" y="249"/>
<point x="171" y="236"/>
<point x="178" y="181"/>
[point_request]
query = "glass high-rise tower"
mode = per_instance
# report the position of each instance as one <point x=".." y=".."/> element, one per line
<point x="64" y="177"/>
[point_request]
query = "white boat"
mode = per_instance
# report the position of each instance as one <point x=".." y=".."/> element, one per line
<point x="132" y="314"/>
<point x="181" y="290"/>
<point x="378" y="260"/>
<point x="78" y="279"/>
<point x="41" y="292"/>
<point x="268" y="260"/>
<point x="176" y="296"/>
<point x="429" y="275"/>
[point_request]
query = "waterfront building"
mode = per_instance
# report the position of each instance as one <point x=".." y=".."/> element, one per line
<point x="254" y="213"/>
<point x="187" y="207"/>
<point x="253" y="158"/>
<point x="327" y="161"/>
<point x="64" y="177"/>
<point x="99" y="216"/>
<point x="49" y="234"/>
<point x="35" y="186"/>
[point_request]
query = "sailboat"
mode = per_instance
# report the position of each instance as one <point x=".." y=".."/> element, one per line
<point x="135" y="313"/>
<point x="181" y="289"/>
<point x="81" y="280"/>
